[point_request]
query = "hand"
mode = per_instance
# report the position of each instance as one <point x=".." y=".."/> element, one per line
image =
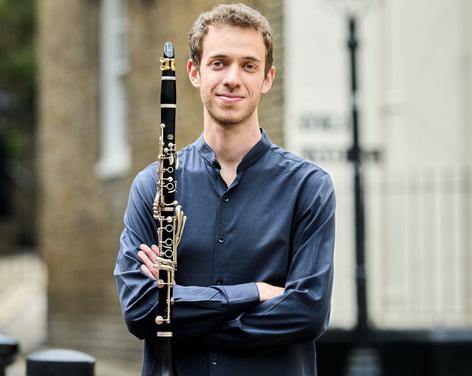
<point x="267" y="291"/>
<point x="148" y="257"/>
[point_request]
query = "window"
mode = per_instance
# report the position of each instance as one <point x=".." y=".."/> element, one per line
<point x="115" y="153"/>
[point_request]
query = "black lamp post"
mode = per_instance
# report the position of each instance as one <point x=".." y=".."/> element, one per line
<point x="355" y="156"/>
<point x="363" y="360"/>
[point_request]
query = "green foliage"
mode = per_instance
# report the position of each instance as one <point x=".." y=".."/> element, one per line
<point x="17" y="47"/>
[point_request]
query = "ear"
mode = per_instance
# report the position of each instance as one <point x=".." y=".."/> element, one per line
<point x="193" y="73"/>
<point x="269" y="78"/>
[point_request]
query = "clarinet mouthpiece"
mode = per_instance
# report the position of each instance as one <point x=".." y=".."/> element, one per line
<point x="168" y="50"/>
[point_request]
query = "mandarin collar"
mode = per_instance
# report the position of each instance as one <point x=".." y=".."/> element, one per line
<point x="252" y="156"/>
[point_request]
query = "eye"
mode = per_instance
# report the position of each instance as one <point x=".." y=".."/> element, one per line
<point x="217" y="64"/>
<point x="250" y="67"/>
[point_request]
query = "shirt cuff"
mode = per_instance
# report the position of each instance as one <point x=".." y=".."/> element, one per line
<point x="228" y="295"/>
<point x="242" y="293"/>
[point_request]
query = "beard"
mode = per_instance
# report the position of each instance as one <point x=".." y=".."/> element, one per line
<point x="229" y="117"/>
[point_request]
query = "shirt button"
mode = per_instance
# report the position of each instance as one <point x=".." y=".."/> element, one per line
<point x="214" y="362"/>
<point x="219" y="281"/>
<point x="221" y="239"/>
<point x="225" y="198"/>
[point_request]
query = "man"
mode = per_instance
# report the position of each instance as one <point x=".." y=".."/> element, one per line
<point x="254" y="280"/>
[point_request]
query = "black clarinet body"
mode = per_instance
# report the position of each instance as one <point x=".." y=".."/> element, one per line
<point x="168" y="215"/>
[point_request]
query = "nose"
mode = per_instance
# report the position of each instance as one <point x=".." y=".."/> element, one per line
<point x="231" y="79"/>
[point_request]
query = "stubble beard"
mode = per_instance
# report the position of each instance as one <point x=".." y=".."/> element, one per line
<point x="228" y="120"/>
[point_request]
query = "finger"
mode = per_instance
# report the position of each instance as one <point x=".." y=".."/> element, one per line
<point x="147" y="262"/>
<point x="146" y="271"/>
<point x="150" y="252"/>
<point x="155" y="248"/>
<point x="145" y="257"/>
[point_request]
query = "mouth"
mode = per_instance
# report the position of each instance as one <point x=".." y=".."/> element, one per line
<point x="229" y="97"/>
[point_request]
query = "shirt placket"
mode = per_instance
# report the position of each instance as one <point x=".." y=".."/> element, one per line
<point x="222" y="240"/>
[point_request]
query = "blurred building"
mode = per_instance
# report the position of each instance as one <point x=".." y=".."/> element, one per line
<point x="99" y="113"/>
<point x="415" y="110"/>
<point x="415" y="83"/>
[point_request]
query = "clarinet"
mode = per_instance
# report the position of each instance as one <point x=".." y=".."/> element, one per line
<point x="169" y="216"/>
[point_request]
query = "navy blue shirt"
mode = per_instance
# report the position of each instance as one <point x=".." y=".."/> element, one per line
<point x="274" y="224"/>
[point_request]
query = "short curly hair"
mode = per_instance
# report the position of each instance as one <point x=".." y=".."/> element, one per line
<point x="234" y="15"/>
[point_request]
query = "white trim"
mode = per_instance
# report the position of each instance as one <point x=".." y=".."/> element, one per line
<point x="115" y="152"/>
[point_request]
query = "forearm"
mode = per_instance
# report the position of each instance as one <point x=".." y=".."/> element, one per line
<point x="199" y="310"/>
<point x="196" y="310"/>
<point x="300" y="314"/>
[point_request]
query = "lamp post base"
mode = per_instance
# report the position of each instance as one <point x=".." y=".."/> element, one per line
<point x="363" y="361"/>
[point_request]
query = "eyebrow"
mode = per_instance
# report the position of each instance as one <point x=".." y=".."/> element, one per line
<point x="222" y="56"/>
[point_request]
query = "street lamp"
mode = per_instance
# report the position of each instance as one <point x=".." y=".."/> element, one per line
<point x="363" y="360"/>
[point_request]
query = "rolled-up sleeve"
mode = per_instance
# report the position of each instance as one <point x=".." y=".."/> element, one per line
<point x="301" y="313"/>
<point x="205" y="307"/>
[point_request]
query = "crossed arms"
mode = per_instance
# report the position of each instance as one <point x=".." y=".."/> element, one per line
<point x="231" y="316"/>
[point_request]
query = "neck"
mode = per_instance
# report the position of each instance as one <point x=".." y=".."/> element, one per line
<point x="231" y="142"/>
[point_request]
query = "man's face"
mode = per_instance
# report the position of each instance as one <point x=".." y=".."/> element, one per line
<point x="231" y="76"/>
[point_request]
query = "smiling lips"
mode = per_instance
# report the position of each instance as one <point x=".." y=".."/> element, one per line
<point x="229" y="97"/>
